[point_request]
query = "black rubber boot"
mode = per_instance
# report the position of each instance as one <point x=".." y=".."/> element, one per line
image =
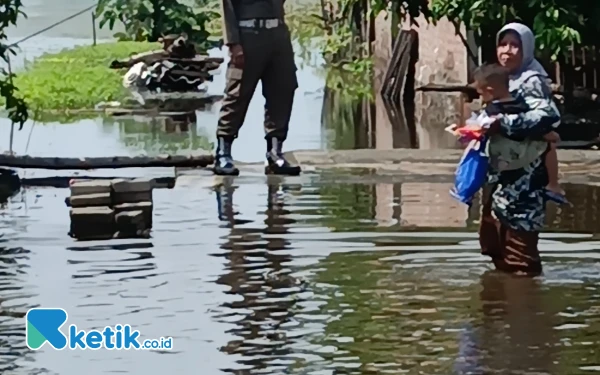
<point x="276" y="163"/>
<point x="224" y="165"/>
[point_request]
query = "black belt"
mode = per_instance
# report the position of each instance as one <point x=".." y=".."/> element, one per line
<point x="260" y="23"/>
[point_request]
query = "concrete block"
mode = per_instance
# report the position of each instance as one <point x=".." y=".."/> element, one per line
<point x="145" y="207"/>
<point x="93" y="214"/>
<point x="131" y="186"/>
<point x="90" y="187"/>
<point x="129" y="218"/>
<point x="130" y="222"/>
<point x="91" y="200"/>
<point x="132" y="197"/>
<point x="92" y="222"/>
<point x="164" y="183"/>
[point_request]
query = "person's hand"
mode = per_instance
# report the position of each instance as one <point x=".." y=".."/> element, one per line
<point x="452" y="129"/>
<point x="237" y="55"/>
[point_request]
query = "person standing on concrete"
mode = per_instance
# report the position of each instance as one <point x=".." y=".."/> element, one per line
<point x="260" y="48"/>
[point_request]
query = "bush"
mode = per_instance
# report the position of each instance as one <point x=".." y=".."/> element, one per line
<point x="77" y="78"/>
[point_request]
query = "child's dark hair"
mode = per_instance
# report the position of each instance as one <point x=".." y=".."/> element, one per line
<point x="491" y="74"/>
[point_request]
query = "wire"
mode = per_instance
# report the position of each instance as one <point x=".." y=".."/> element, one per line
<point x="29" y="137"/>
<point x="12" y="125"/>
<point x="54" y="25"/>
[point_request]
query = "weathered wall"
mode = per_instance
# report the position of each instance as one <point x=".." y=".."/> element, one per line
<point x="382" y="54"/>
<point x="443" y="59"/>
<point x="390" y="132"/>
<point x="381" y="47"/>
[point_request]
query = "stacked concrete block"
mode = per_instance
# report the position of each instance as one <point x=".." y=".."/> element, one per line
<point x="104" y="209"/>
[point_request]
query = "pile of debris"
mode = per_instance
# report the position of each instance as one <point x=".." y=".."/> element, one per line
<point x="106" y="209"/>
<point x="175" y="68"/>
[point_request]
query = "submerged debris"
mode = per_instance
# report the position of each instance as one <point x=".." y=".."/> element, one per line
<point x="169" y="82"/>
<point x="175" y="68"/>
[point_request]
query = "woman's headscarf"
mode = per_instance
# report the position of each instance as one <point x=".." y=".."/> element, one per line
<point x="529" y="66"/>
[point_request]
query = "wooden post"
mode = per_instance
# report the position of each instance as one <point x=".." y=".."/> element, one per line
<point x="94" y="27"/>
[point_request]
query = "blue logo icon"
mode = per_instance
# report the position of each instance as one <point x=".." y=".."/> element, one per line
<point x="43" y="325"/>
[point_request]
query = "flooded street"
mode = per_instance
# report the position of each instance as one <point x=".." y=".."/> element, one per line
<point x="318" y="274"/>
<point x="303" y="276"/>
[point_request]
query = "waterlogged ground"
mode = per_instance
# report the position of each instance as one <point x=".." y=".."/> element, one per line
<point x="305" y="126"/>
<point x="307" y="275"/>
<point x="302" y="276"/>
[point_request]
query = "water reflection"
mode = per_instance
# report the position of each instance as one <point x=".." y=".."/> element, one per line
<point x="125" y="261"/>
<point x="14" y="304"/>
<point x="516" y="333"/>
<point x="160" y="135"/>
<point x="258" y="272"/>
<point x="307" y="275"/>
<point x="401" y="206"/>
<point x="378" y="124"/>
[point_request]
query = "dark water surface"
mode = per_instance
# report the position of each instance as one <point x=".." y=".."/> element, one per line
<point x="257" y="276"/>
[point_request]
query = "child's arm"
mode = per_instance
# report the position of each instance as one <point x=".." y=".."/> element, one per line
<point x="542" y="117"/>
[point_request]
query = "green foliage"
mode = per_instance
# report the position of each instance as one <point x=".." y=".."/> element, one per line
<point x="16" y="106"/>
<point x="63" y="116"/>
<point x="556" y="23"/>
<point x="47" y="85"/>
<point x="352" y="79"/>
<point x="148" y="20"/>
<point x="306" y="27"/>
<point x="345" y="53"/>
<point x="340" y="32"/>
<point x="342" y="118"/>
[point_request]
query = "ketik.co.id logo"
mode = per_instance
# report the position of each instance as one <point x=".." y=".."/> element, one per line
<point x="44" y="324"/>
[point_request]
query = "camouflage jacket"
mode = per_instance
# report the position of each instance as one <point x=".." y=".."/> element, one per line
<point x="518" y="198"/>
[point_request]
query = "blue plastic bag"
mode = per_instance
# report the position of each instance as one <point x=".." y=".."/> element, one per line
<point x="471" y="172"/>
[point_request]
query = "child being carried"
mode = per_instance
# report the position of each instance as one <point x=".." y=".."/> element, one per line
<point x="509" y="152"/>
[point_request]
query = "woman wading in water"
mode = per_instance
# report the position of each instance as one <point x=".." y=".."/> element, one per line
<point x="514" y="200"/>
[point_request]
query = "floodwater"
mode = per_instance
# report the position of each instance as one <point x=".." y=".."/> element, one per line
<point x="305" y="126"/>
<point x="303" y="275"/>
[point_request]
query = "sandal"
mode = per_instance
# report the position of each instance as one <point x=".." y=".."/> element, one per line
<point x="556" y="197"/>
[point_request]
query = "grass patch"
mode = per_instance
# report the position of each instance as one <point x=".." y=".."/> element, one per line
<point x="77" y="78"/>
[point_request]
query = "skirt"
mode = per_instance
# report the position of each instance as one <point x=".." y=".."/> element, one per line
<point x="511" y="250"/>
